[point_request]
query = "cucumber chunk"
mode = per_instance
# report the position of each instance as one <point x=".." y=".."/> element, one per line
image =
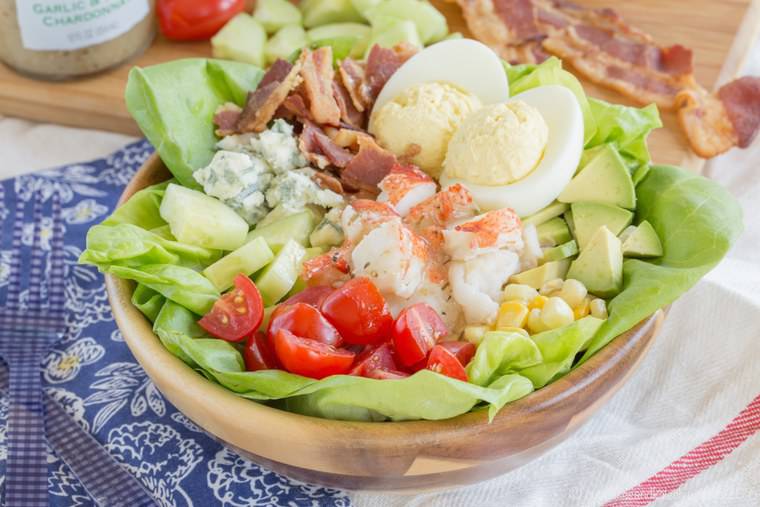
<point x="247" y="259"/>
<point x="275" y="280"/>
<point x="242" y="39"/>
<point x="198" y="219"/>
<point x="285" y="42"/>
<point x="357" y="32"/>
<point x="296" y="227"/>
<point x="431" y="24"/>
<point x="322" y="12"/>
<point x="275" y="14"/>
<point x="389" y="31"/>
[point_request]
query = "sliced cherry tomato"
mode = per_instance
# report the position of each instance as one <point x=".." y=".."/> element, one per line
<point x="195" y="19"/>
<point x="258" y="353"/>
<point x="444" y="362"/>
<point x="416" y="366"/>
<point x="374" y="358"/>
<point x="359" y="312"/>
<point x="310" y="358"/>
<point x="305" y="321"/>
<point x="236" y="314"/>
<point x="311" y="296"/>
<point x="463" y="351"/>
<point x="416" y="331"/>
<point x="387" y="374"/>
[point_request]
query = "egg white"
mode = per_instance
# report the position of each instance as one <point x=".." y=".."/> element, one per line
<point x="465" y="63"/>
<point x="564" y="118"/>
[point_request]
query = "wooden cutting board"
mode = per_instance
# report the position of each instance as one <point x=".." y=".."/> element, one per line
<point x="719" y="32"/>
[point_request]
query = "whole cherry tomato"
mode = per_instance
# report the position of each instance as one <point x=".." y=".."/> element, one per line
<point x="305" y="321"/>
<point x="463" y="351"/>
<point x="416" y="331"/>
<point x="444" y="362"/>
<point x="195" y="19"/>
<point x="258" y="353"/>
<point x="359" y="312"/>
<point x="310" y="358"/>
<point x="236" y="314"/>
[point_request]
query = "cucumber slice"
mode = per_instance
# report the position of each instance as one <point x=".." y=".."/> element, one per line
<point x="389" y="31"/>
<point x="364" y="7"/>
<point x="287" y="40"/>
<point x="300" y="283"/>
<point x="275" y="280"/>
<point x="247" y="259"/>
<point x="275" y="14"/>
<point x="242" y="39"/>
<point x="430" y="24"/>
<point x="198" y="219"/>
<point x="357" y="33"/>
<point x="296" y="227"/>
<point x="322" y="12"/>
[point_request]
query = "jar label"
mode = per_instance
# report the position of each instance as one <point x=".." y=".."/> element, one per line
<point x="73" y="24"/>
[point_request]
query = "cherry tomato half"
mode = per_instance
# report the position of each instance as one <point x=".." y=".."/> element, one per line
<point x="463" y="351"/>
<point x="305" y="321"/>
<point x="444" y="362"/>
<point x="310" y="358"/>
<point x="416" y="331"/>
<point x="258" y="353"/>
<point x="311" y="296"/>
<point x="387" y="374"/>
<point x="374" y="358"/>
<point x="359" y="312"/>
<point x="236" y="314"/>
<point x="195" y="19"/>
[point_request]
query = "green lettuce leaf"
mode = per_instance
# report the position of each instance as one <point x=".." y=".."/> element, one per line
<point x="501" y="352"/>
<point x="148" y="301"/>
<point x="697" y="222"/>
<point x="174" y="103"/>
<point x="141" y="209"/>
<point x="626" y="128"/>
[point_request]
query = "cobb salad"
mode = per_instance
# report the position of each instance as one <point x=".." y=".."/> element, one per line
<point x="413" y="235"/>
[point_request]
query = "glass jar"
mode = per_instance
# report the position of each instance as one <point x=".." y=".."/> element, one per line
<point x="62" y="39"/>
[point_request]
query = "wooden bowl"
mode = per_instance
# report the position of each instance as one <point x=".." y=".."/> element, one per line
<point x="379" y="455"/>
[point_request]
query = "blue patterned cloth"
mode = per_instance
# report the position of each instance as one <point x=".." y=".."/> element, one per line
<point x="92" y="373"/>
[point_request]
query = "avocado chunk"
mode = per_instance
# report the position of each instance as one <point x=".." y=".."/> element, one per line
<point x="276" y="280"/>
<point x="296" y="227"/>
<point x="555" y="209"/>
<point x="247" y="259"/>
<point x="563" y="251"/>
<point x="285" y="42"/>
<point x="242" y="39"/>
<point x="605" y="179"/>
<point x="589" y="216"/>
<point x="356" y="34"/>
<point x="536" y="277"/>
<point x="554" y="232"/>
<point x="388" y="31"/>
<point x="275" y="14"/>
<point x="322" y="12"/>
<point x="431" y="24"/>
<point x="641" y="241"/>
<point x="600" y="265"/>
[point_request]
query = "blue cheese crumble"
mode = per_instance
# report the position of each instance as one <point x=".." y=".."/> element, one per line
<point x="253" y="173"/>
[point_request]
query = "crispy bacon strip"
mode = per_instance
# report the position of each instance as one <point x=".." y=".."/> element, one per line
<point x="274" y="87"/>
<point x="317" y="72"/>
<point x="226" y="117"/>
<point x="348" y="112"/>
<point x="368" y="167"/>
<point x="383" y="62"/>
<point x="319" y="149"/>
<point x="353" y="77"/>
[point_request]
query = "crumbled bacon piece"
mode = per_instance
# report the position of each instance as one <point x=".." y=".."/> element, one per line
<point x="226" y="117"/>
<point x="317" y="72"/>
<point x="353" y="77"/>
<point x="383" y="62"/>
<point x="319" y="149"/>
<point x="368" y="167"/>
<point x="261" y="104"/>
<point x="347" y="138"/>
<point x="328" y="182"/>
<point x="741" y="98"/>
<point x="348" y="112"/>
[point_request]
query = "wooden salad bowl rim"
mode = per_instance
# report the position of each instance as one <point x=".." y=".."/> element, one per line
<point x="398" y="454"/>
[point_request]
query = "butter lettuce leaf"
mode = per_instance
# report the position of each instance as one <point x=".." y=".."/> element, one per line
<point x="173" y="103"/>
<point x="501" y="352"/>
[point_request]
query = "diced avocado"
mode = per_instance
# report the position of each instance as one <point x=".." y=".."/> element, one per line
<point x="391" y="31"/>
<point x="287" y="40"/>
<point x="242" y="39"/>
<point x="275" y="280"/>
<point x="247" y="259"/>
<point x="605" y="179"/>
<point x="198" y="219"/>
<point x="431" y="24"/>
<point x="357" y="32"/>
<point x="563" y="251"/>
<point x="555" y="209"/>
<point x="589" y="216"/>
<point x="274" y="14"/>
<point x="588" y="156"/>
<point x="600" y="265"/>
<point x="641" y="241"/>
<point x="640" y="173"/>
<point x="536" y="277"/>
<point x="296" y="227"/>
<point x="300" y="283"/>
<point x="554" y="232"/>
<point x="322" y="12"/>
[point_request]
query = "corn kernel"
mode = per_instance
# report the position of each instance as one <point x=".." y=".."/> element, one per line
<point x="598" y="308"/>
<point x="551" y="287"/>
<point x="517" y="291"/>
<point x="517" y="330"/>
<point x="573" y="292"/>
<point x="535" y="324"/>
<point x="582" y="309"/>
<point x="512" y="314"/>
<point x="556" y="313"/>
<point x="538" y="302"/>
<point x="475" y="334"/>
